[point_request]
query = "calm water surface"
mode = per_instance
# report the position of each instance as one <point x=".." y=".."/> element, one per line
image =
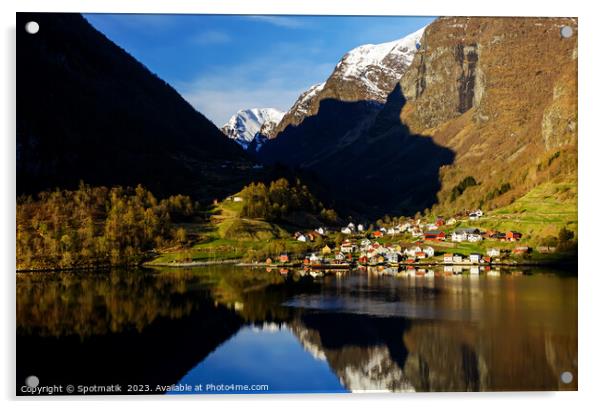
<point x="241" y="330"/>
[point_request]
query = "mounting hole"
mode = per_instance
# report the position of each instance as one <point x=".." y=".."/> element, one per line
<point x="32" y="27"/>
<point x="566" y="31"/>
<point x="32" y="381"/>
<point x="566" y="377"/>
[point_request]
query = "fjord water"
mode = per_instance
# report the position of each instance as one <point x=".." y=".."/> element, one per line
<point x="229" y="328"/>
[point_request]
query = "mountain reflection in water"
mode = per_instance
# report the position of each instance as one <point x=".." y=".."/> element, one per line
<point x="355" y="331"/>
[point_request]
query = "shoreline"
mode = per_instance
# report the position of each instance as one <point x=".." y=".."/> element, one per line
<point x="241" y="263"/>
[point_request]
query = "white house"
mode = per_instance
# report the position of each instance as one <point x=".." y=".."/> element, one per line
<point x="416" y="232"/>
<point x="360" y="227"/>
<point x="351" y="226"/>
<point x="478" y="212"/>
<point x="493" y="252"/>
<point x="474" y="237"/>
<point x="459" y="236"/>
<point x="432" y="226"/>
<point x="391" y="231"/>
<point x="302" y="238"/>
<point x="348" y="247"/>
<point x="473" y="216"/>
<point x="412" y="251"/>
<point x="237" y="199"/>
<point x="321" y="231"/>
<point x="457" y="259"/>
<point x="448" y="258"/>
<point x="429" y="251"/>
<point x="474" y="257"/>
<point x="346" y="230"/>
<point x="339" y="256"/>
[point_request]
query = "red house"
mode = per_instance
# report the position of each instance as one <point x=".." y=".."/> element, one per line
<point x="434" y="235"/>
<point x="377" y="234"/>
<point x="363" y="260"/>
<point x="284" y="258"/>
<point x="513" y="236"/>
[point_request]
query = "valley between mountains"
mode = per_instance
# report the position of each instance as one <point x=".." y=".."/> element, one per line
<point x="468" y="123"/>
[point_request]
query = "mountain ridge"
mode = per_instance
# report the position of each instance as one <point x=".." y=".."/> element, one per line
<point x="87" y="110"/>
<point x="368" y="72"/>
<point x="496" y="106"/>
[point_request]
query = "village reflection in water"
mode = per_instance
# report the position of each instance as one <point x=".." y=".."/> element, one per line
<point x="358" y="330"/>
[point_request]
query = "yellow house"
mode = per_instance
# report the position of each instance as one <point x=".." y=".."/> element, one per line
<point x="326" y="250"/>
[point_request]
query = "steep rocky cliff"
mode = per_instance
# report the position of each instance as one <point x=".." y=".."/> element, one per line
<point x="490" y="98"/>
<point x="502" y="94"/>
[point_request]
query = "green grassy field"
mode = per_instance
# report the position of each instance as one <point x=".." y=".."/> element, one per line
<point x="228" y="236"/>
<point x="540" y="213"/>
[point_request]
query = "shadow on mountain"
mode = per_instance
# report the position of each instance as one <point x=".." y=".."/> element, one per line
<point x="367" y="160"/>
<point x="87" y="110"/>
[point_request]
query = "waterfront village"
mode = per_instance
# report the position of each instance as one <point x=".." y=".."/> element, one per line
<point x="414" y="245"/>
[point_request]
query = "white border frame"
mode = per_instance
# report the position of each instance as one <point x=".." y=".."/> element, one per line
<point x="590" y="147"/>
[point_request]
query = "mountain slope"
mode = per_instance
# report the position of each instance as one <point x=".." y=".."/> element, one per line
<point x="478" y="100"/>
<point x="87" y="110"/>
<point x="362" y="164"/>
<point x="366" y="73"/>
<point x="246" y="123"/>
<point x="502" y="94"/>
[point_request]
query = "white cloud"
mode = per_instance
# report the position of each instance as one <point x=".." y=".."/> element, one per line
<point x="281" y="21"/>
<point x="220" y="105"/>
<point x="273" y="82"/>
<point x="211" y="37"/>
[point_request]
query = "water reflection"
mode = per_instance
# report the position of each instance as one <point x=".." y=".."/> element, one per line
<point x="362" y="330"/>
<point x="267" y="355"/>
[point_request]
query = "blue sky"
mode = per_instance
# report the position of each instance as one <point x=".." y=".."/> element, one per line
<point x="221" y="64"/>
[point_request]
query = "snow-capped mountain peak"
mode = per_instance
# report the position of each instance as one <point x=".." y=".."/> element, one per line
<point x="374" y="54"/>
<point x="388" y="59"/>
<point x="246" y="123"/>
<point x="368" y="73"/>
